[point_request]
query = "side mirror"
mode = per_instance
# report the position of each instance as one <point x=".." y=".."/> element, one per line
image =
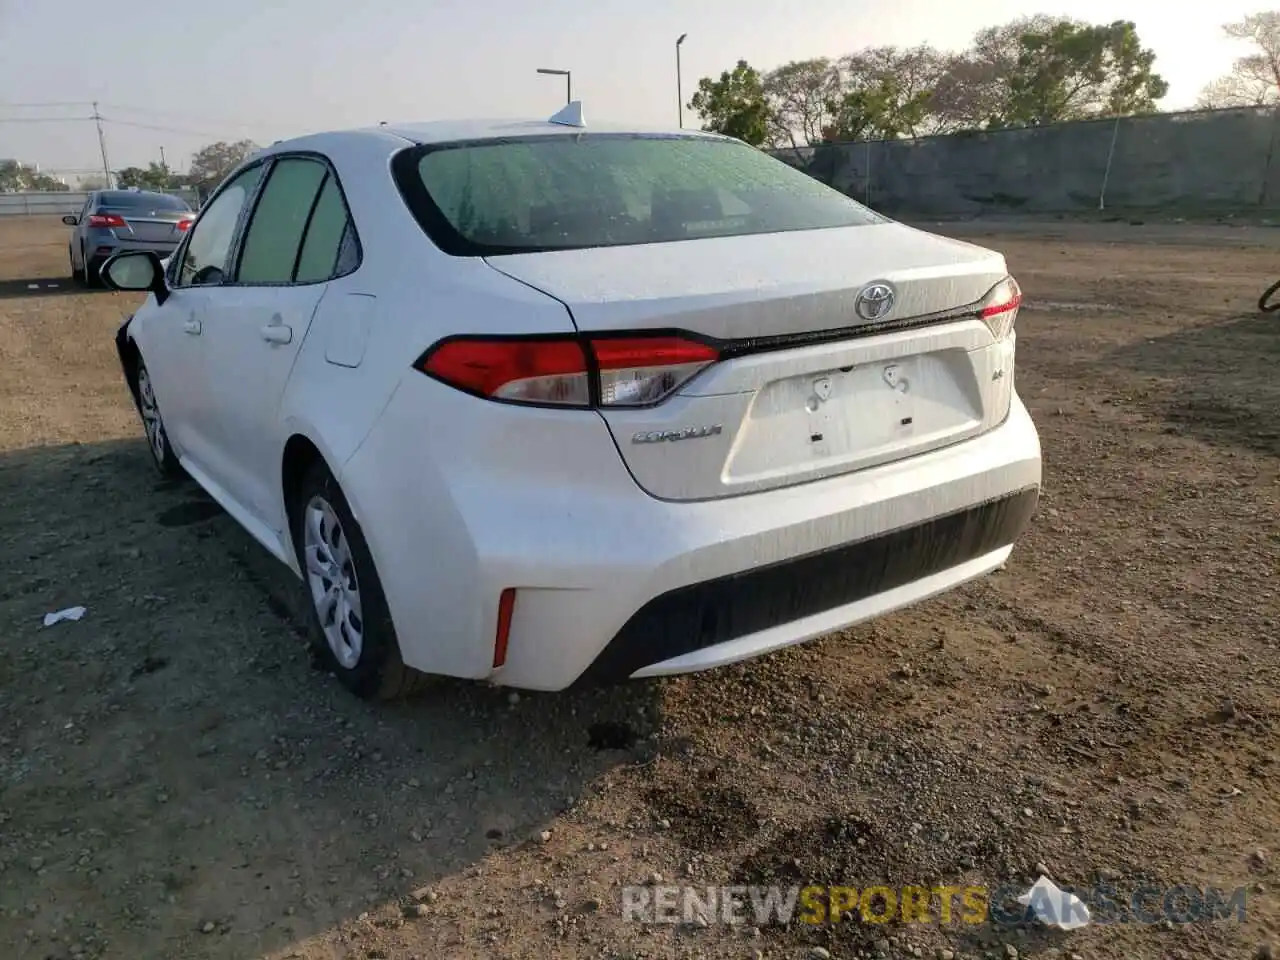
<point x="71" y="220"/>
<point x="136" y="270"/>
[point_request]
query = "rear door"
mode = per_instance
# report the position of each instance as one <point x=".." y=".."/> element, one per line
<point x="290" y="250"/>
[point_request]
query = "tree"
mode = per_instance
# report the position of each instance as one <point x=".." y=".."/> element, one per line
<point x="211" y="164"/>
<point x="157" y="176"/>
<point x="801" y="96"/>
<point x="16" y="176"/>
<point x="1254" y="80"/>
<point x="734" y="105"/>
<point x="890" y="91"/>
<point x="1043" y="69"/>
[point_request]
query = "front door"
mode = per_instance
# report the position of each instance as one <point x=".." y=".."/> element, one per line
<point x="173" y="343"/>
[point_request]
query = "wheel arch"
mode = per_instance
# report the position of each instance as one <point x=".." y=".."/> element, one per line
<point x="300" y="454"/>
<point x="130" y="358"/>
<point x="303" y="447"/>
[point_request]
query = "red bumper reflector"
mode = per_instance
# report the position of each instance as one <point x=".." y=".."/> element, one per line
<point x="506" y="605"/>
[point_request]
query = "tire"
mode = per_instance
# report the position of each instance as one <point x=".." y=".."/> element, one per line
<point x="351" y="632"/>
<point x="91" y="268"/>
<point x="1263" y="305"/>
<point x="162" y="455"/>
<point x="91" y="273"/>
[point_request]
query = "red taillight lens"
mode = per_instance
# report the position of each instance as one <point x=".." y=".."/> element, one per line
<point x="524" y="371"/>
<point x="616" y="371"/>
<point x="1000" y="307"/>
<point x="184" y="225"/>
<point x="106" y="220"/>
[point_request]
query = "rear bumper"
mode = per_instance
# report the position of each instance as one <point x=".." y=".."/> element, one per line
<point x="612" y="583"/>
<point x="99" y="248"/>
<point x="741" y="615"/>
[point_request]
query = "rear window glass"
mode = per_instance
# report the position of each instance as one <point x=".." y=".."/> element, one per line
<point x="566" y="192"/>
<point x="137" y="201"/>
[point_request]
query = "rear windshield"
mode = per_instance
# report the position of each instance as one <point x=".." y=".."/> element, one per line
<point x="602" y="190"/>
<point x="135" y="201"/>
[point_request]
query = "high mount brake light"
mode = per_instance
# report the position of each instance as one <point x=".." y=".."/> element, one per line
<point x="999" y="307"/>
<point x="632" y="370"/>
<point x="106" y="220"/>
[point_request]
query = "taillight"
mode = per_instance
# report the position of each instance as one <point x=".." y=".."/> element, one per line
<point x="643" y="370"/>
<point x="184" y="225"/>
<point x="1000" y="307"/>
<point x="106" y="220"/>
<point x="632" y="370"/>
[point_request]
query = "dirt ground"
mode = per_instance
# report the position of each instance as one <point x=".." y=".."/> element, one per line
<point x="177" y="781"/>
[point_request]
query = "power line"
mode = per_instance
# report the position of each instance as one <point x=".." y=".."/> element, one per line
<point x="52" y="103"/>
<point x="183" y="116"/>
<point x="43" y="119"/>
<point x="161" y="129"/>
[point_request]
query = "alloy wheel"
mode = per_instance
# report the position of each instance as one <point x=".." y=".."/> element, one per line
<point x="151" y="421"/>
<point x="331" y="576"/>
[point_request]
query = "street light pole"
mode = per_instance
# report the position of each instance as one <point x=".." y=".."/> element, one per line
<point x="679" y="91"/>
<point x="568" y="81"/>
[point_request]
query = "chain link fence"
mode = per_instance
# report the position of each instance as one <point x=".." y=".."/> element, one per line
<point x="1197" y="162"/>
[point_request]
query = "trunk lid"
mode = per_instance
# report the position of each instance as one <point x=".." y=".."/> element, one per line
<point x="148" y="226"/>
<point x="785" y="407"/>
<point x="758" y="285"/>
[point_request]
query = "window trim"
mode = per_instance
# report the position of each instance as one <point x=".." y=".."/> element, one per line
<point x="242" y="229"/>
<point x="417" y="198"/>
<point x="246" y="217"/>
<point x="232" y="250"/>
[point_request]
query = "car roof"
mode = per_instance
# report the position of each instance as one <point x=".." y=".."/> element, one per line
<point x="112" y="194"/>
<point x="452" y="131"/>
<point x="444" y="131"/>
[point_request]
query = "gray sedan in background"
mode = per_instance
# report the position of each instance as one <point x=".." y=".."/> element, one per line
<point x="113" y="221"/>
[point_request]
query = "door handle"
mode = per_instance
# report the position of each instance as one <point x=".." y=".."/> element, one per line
<point x="191" y="326"/>
<point x="277" y="333"/>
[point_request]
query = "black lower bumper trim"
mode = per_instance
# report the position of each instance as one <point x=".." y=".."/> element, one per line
<point x="717" y="611"/>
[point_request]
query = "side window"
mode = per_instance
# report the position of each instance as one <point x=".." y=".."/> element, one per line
<point x="209" y="246"/>
<point x="320" y="248"/>
<point x="274" y="237"/>
<point x="348" y="252"/>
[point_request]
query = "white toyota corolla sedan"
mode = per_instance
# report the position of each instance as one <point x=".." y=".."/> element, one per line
<point x="540" y="403"/>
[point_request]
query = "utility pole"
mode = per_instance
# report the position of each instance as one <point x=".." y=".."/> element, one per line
<point x="102" y="144"/>
<point x="679" y="91"/>
<point x="568" y="81"/>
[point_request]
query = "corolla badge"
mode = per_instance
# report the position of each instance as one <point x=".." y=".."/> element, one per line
<point x="684" y="433"/>
<point x="874" y="301"/>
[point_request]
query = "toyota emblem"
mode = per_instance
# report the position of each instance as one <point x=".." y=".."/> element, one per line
<point x="874" y="302"/>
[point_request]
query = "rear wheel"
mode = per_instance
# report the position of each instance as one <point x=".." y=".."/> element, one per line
<point x="351" y="630"/>
<point x="162" y="454"/>
<point x="91" y="268"/>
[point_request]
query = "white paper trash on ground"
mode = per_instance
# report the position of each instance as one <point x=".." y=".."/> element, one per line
<point x="1054" y="906"/>
<point x="71" y="613"/>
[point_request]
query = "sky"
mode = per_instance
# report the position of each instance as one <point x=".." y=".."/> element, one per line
<point x="271" y="70"/>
